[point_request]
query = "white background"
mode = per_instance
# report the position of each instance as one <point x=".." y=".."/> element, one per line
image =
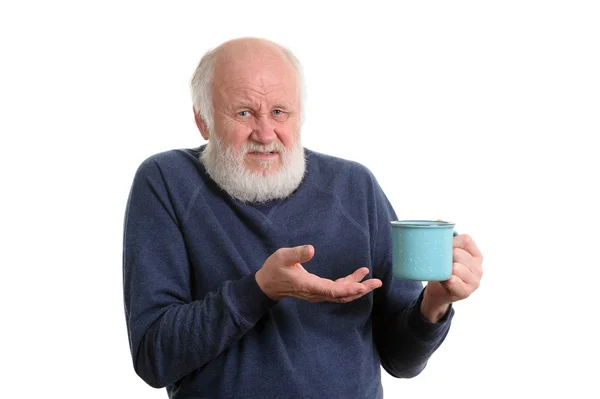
<point x="485" y="113"/>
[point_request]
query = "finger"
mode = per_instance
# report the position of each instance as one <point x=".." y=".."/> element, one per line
<point x="369" y="286"/>
<point x="456" y="287"/>
<point x="459" y="255"/>
<point x="463" y="281"/>
<point x="372" y="284"/>
<point x="355" y="277"/>
<point x="331" y="290"/>
<point x="463" y="272"/>
<point x="465" y="242"/>
<point x="352" y="298"/>
<point x="290" y="256"/>
<point x="346" y="292"/>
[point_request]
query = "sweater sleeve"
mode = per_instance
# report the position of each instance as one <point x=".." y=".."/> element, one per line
<point x="171" y="335"/>
<point x="404" y="338"/>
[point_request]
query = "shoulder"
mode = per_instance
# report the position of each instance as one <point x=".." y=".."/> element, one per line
<point x="170" y="164"/>
<point x="351" y="184"/>
<point x="174" y="176"/>
<point x="335" y="172"/>
<point x="329" y="165"/>
<point x="177" y="171"/>
<point x="175" y="158"/>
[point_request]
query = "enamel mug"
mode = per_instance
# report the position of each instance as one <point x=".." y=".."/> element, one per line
<point x="422" y="249"/>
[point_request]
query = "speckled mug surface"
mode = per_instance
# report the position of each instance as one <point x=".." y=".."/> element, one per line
<point x="422" y="249"/>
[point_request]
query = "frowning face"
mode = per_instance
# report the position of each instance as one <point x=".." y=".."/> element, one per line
<point x="254" y="150"/>
<point x="256" y="109"/>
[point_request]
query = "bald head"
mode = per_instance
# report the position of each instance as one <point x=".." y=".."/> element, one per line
<point x="251" y="50"/>
<point x="242" y="60"/>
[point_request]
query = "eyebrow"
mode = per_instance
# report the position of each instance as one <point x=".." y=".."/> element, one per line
<point x="244" y="104"/>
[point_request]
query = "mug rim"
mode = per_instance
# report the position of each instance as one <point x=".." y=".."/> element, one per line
<point x="422" y="223"/>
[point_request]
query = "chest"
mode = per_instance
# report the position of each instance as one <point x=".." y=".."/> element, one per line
<point x="227" y="243"/>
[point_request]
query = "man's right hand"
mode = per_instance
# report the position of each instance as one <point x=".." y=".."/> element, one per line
<point x="282" y="276"/>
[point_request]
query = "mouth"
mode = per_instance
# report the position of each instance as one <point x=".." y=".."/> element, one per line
<point x="262" y="154"/>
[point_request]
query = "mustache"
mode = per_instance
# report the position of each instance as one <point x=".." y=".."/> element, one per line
<point x="275" y="146"/>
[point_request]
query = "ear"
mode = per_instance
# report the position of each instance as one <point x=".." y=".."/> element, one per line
<point x="201" y="124"/>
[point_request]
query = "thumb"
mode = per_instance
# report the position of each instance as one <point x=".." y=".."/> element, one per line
<point x="290" y="256"/>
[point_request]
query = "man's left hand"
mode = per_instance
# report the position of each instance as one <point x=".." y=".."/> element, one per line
<point x="467" y="271"/>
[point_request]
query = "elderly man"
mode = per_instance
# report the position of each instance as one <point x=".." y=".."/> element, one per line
<point x="255" y="268"/>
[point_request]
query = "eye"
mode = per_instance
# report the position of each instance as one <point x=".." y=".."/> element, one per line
<point x="279" y="114"/>
<point x="243" y="113"/>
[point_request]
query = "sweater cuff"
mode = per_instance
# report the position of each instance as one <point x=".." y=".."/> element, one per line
<point x="247" y="300"/>
<point x="425" y="328"/>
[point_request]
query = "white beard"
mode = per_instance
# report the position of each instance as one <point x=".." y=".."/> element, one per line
<point x="227" y="169"/>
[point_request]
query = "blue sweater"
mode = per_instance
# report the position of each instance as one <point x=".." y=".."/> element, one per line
<point x="199" y="324"/>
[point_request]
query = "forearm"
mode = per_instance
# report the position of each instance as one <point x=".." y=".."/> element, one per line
<point x="187" y="336"/>
<point x="432" y="311"/>
<point x="408" y="340"/>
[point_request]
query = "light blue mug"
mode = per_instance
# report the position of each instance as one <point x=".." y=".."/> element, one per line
<point x="422" y="249"/>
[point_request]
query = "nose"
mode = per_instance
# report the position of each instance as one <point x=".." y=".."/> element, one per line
<point x="263" y="130"/>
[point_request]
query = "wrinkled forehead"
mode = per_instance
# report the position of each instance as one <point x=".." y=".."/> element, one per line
<point x="261" y="74"/>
